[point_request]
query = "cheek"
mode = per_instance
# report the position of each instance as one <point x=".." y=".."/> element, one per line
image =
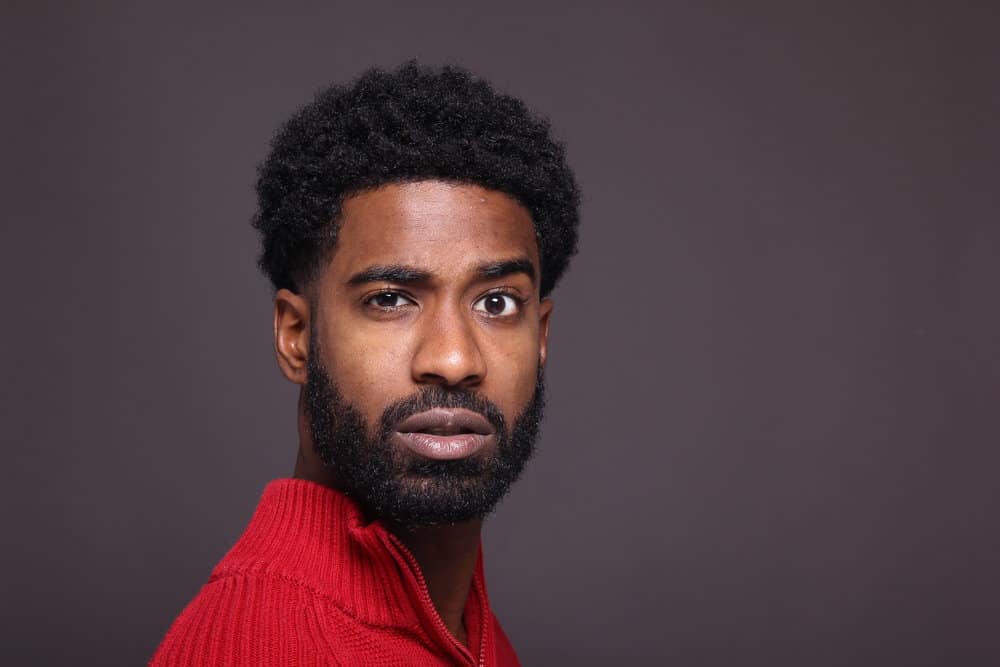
<point x="371" y="371"/>
<point x="372" y="366"/>
<point x="513" y="373"/>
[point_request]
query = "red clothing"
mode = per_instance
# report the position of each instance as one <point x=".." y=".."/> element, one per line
<point x="310" y="582"/>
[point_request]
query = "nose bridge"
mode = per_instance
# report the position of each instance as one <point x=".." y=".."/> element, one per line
<point x="448" y="350"/>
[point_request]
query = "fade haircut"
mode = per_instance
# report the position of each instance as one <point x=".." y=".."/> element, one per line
<point x="410" y="124"/>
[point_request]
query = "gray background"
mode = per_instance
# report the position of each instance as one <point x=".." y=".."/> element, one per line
<point x="772" y="435"/>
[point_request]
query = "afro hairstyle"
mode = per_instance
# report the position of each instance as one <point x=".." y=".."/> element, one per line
<point x="410" y="124"/>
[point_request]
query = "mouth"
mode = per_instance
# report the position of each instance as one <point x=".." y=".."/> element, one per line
<point x="445" y="434"/>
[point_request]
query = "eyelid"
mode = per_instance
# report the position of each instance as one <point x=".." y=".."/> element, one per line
<point x="506" y="290"/>
<point x="366" y="299"/>
<point x="385" y="288"/>
<point x="509" y="292"/>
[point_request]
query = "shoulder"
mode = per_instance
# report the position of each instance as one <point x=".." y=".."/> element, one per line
<point x="505" y="655"/>
<point x="240" y="619"/>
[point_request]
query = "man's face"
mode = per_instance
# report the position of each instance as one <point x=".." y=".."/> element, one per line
<point x="427" y="342"/>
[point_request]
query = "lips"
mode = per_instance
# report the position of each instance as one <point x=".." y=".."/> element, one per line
<point x="445" y="434"/>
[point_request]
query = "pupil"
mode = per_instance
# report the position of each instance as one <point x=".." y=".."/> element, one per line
<point x="494" y="305"/>
<point x="386" y="299"/>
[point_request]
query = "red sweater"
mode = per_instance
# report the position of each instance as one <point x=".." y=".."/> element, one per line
<point x="311" y="583"/>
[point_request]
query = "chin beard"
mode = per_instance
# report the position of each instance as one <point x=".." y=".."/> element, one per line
<point x="400" y="487"/>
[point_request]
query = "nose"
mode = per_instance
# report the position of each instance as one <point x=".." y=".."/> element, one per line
<point x="448" y="352"/>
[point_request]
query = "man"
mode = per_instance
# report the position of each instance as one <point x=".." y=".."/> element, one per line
<point x="413" y="224"/>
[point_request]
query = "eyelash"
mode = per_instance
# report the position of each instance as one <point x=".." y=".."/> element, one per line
<point x="369" y="301"/>
<point x="513" y="296"/>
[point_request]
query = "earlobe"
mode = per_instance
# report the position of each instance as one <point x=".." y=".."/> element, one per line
<point x="291" y="334"/>
<point x="545" y="314"/>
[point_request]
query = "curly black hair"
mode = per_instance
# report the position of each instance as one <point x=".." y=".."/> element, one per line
<point x="409" y="124"/>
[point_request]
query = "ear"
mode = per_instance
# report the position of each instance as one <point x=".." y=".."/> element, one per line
<point x="544" y="313"/>
<point x="291" y="334"/>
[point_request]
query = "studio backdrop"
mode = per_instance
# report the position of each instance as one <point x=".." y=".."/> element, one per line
<point x="770" y="436"/>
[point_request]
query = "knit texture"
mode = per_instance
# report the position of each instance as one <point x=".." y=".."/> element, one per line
<point x="311" y="583"/>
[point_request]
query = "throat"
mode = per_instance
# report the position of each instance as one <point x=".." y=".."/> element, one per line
<point x="447" y="558"/>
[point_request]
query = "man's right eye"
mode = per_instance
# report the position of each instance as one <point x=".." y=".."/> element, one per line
<point x="388" y="300"/>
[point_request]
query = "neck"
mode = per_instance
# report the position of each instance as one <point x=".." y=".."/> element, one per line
<point x="446" y="554"/>
<point x="447" y="558"/>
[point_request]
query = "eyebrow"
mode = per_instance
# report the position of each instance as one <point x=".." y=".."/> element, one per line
<point x="506" y="268"/>
<point x="408" y="275"/>
<point x="389" y="274"/>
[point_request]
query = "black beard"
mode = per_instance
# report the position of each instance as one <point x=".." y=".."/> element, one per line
<point x="405" y="489"/>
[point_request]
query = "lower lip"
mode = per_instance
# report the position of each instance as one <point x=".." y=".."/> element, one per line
<point x="444" y="447"/>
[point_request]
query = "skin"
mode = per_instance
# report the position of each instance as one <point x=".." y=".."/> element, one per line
<point x="437" y="331"/>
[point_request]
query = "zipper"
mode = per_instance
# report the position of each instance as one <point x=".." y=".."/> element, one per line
<point x="425" y="598"/>
<point x="484" y="623"/>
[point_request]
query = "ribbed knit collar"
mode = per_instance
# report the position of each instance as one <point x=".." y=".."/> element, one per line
<point x="315" y="536"/>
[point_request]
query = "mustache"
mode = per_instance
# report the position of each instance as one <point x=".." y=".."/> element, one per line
<point x="436" y="396"/>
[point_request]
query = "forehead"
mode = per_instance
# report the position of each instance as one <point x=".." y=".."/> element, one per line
<point x="448" y="229"/>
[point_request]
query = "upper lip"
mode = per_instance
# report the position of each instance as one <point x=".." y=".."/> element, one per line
<point x="446" y="421"/>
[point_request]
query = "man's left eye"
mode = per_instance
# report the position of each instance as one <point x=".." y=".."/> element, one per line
<point x="497" y="305"/>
